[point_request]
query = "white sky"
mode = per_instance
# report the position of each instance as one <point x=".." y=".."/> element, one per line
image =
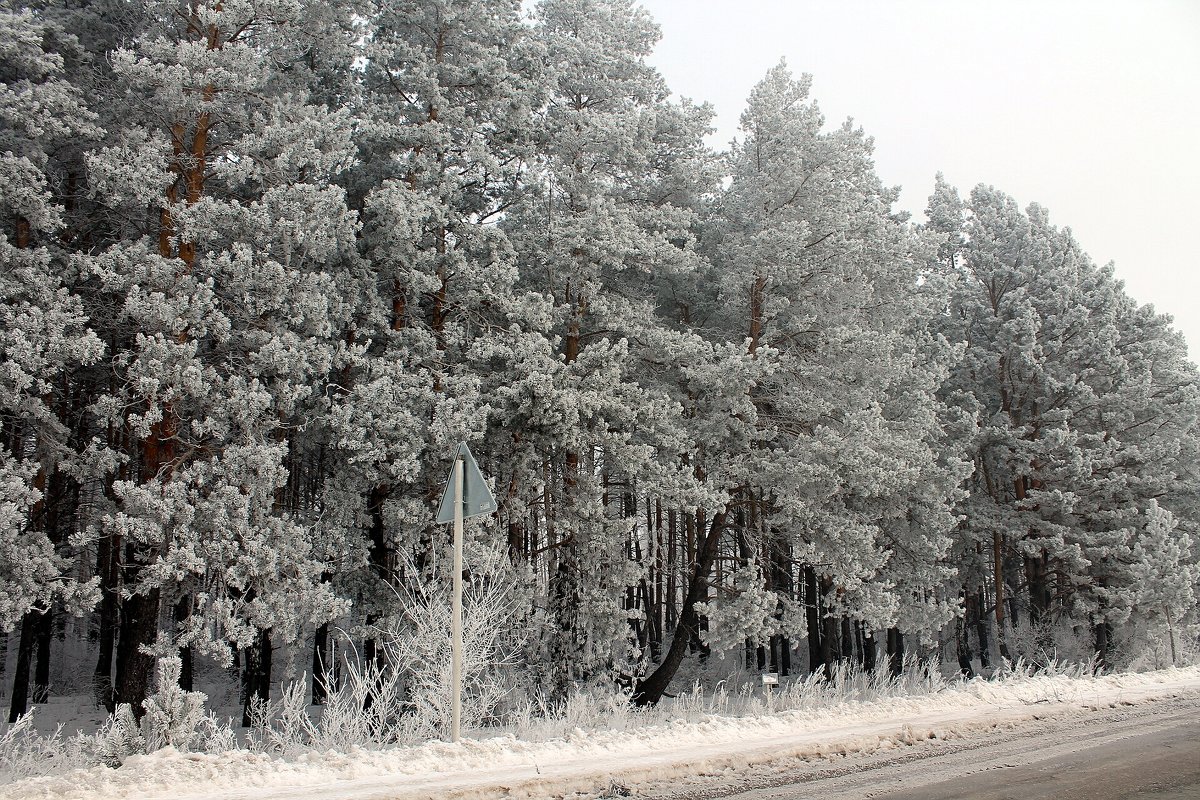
<point x="1091" y="109"/>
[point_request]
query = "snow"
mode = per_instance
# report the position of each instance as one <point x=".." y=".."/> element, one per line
<point x="590" y="761"/>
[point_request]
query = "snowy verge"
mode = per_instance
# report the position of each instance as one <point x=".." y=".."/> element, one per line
<point x="590" y="761"/>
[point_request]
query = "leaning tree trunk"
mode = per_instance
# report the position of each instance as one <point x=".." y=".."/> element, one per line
<point x="649" y="690"/>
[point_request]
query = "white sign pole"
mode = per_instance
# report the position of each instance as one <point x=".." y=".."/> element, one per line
<point x="456" y="637"/>
<point x="466" y="495"/>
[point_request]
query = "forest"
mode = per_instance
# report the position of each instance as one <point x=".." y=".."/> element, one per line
<point x="265" y="263"/>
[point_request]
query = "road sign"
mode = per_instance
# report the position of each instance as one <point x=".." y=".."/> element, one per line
<point x="466" y="495"/>
<point x="477" y="498"/>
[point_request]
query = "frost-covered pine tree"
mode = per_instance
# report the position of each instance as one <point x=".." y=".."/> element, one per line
<point x="816" y="417"/>
<point x="445" y="117"/>
<point x="1164" y="575"/>
<point x="44" y="340"/>
<point x="1086" y="407"/>
<point x="606" y="212"/>
<point x="224" y="304"/>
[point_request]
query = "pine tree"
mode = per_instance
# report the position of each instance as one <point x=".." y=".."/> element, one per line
<point x="608" y="213"/>
<point x="44" y="341"/>
<point x="1085" y="405"/>
<point x="1164" y="574"/>
<point x="445" y="116"/>
<point x="817" y="422"/>
<point x="224" y="306"/>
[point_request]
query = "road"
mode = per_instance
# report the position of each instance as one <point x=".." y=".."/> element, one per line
<point x="1149" y="751"/>
<point x="1162" y="764"/>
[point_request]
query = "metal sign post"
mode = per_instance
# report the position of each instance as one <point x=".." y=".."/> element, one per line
<point x="466" y="495"/>
<point x="456" y="643"/>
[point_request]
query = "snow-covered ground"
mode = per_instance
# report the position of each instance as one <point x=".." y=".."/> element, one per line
<point x="589" y="762"/>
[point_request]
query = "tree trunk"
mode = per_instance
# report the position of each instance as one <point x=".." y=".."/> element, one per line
<point x="1103" y="644"/>
<point x="379" y="555"/>
<point x="782" y="582"/>
<point x="895" y="651"/>
<point x="998" y="560"/>
<point x="320" y="665"/>
<point x="981" y="629"/>
<point x="657" y="583"/>
<point x="649" y="637"/>
<point x="516" y="539"/>
<point x="756" y="311"/>
<point x="1103" y="632"/>
<point x="107" y="568"/>
<point x="139" y="626"/>
<point x="43" y="633"/>
<point x="183" y="611"/>
<point x="23" y="230"/>
<point x="670" y="610"/>
<point x="847" y="640"/>
<point x="1171" y="635"/>
<point x="649" y="690"/>
<point x="256" y="676"/>
<point x="963" y="645"/>
<point x="830" y="646"/>
<point x="781" y="656"/>
<point x="868" y="650"/>
<point x="998" y="575"/>
<point x="812" y="611"/>
<point x="1036" y="573"/>
<point x="19" y="703"/>
<point x="564" y="599"/>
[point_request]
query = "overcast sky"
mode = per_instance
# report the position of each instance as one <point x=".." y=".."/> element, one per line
<point x="1091" y="109"/>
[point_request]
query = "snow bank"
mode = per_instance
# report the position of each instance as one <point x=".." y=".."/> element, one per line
<point x="586" y="761"/>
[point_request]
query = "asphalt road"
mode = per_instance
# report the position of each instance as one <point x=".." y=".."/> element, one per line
<point x="1149" y="751"/>
<point x="1164" y="765"/>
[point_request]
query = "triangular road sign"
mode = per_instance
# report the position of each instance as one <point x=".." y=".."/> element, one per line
<point x="477" y="497"/>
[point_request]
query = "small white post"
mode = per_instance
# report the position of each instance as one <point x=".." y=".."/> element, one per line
<point x="1171" y="632"/>
<point x="770" y="680"/>
<point x="456" y="635"/>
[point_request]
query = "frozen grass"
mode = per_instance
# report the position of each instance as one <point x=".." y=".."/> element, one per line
<point x="368" y="711"/>
<point x="597" y="734"/>
<point x="742" y="695"/>
<point x="25" y="753"/>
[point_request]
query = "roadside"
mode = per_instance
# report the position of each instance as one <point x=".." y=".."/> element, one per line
<point x="712" y="756"/>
